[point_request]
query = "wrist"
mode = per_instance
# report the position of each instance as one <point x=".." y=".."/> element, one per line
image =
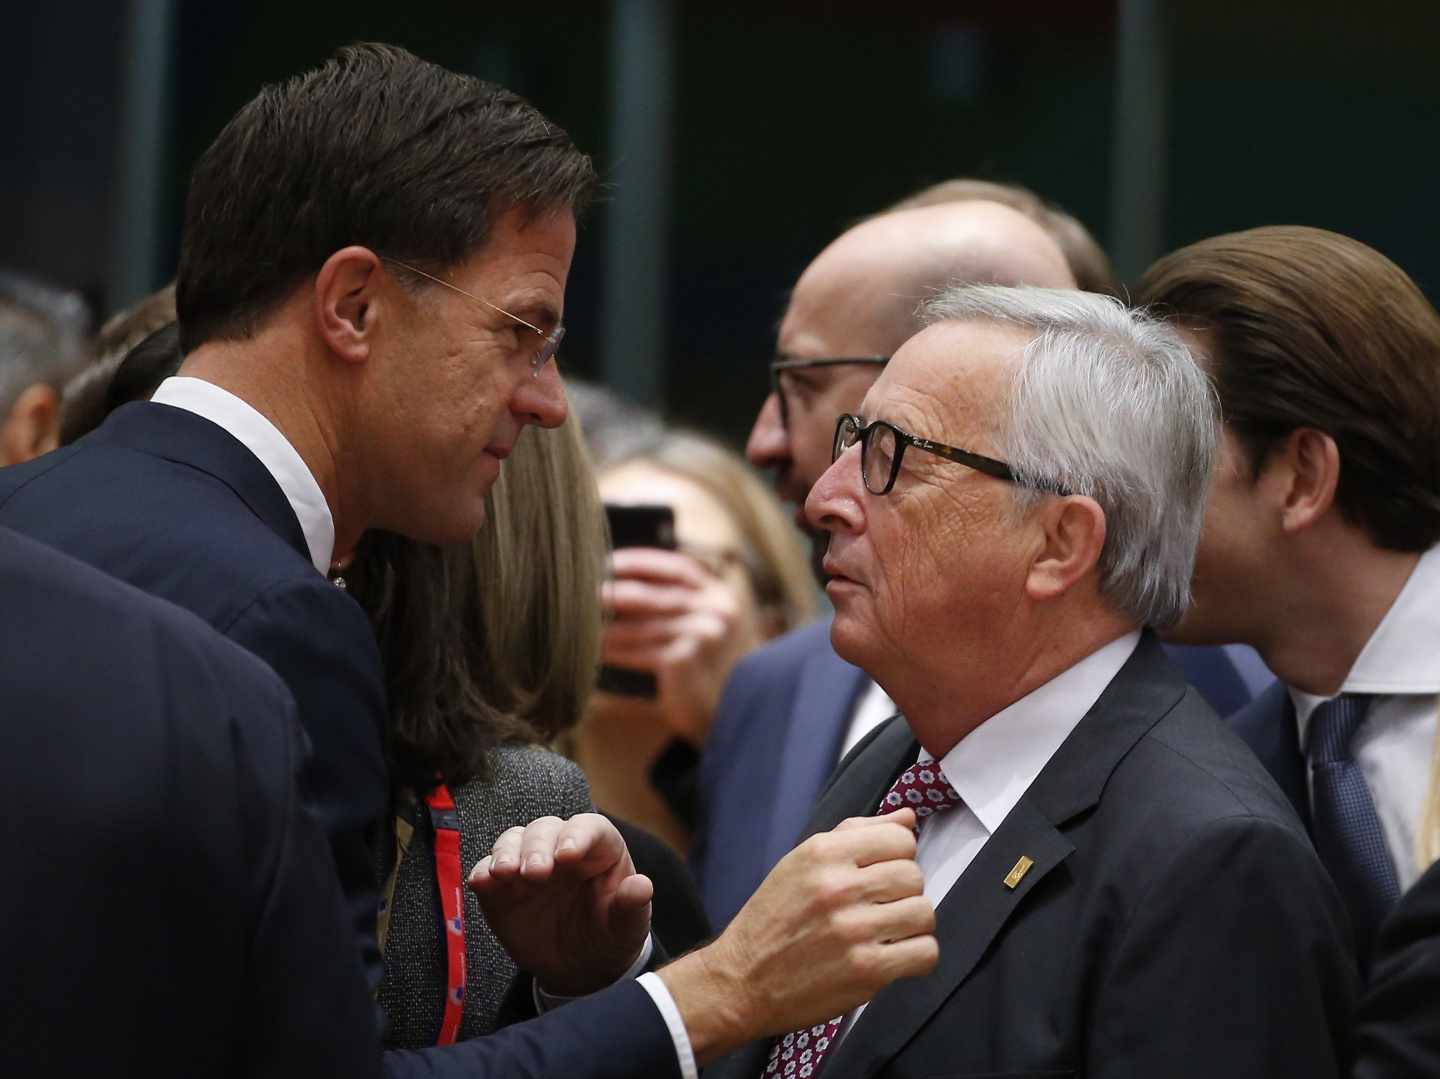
<point x="548" y="998"/>
<point x="712" y="1002"/>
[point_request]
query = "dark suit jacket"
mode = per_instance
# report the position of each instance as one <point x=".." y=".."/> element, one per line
<point x="1397" y="1032"/>
<point x="1267" y="724"/>
<point x="169" y="906"/>
<point x="776" y="739"/>
<point x="175" y="505"/>
<point x="1175" y="922"/>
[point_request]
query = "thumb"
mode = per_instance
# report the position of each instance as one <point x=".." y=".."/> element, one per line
<point x="629" y="914"/>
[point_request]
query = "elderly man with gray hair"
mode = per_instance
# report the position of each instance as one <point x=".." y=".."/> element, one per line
<point x="1121" y="889"/>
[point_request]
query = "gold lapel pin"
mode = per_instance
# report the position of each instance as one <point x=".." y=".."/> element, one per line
<point x="1017" y="874"/>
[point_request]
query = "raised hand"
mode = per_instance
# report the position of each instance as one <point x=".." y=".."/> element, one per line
<point x="564" y="899"/>
<point x="672" y="616"/>
<point x="842" y="916"/>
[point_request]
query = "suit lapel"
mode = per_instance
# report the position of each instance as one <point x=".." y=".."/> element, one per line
<point x="976" y="909"/>
<point x="824" y="698"/>
<point x="187" y="439"/>
<point x="968" y="919"/>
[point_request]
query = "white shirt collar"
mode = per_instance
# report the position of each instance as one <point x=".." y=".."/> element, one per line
<point x="1400" y="656"/>
<point x="993" y="766"/>
<point x="262" y="438"/>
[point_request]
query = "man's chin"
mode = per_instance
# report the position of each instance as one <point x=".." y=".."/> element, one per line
<point x="848" y="646"/>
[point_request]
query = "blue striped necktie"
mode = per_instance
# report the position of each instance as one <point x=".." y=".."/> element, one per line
<point x="1346" y="827"/>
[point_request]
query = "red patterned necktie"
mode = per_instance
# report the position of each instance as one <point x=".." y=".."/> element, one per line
<point x="923" y="788"/>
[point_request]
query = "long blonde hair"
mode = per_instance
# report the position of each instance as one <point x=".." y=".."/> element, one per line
<point x="1427" y="843"/>
<point x="541" y="557"/>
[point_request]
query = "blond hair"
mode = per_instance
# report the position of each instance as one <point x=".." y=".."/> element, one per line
<point x="1427" y="842"/>
<point x="541" y="557"/>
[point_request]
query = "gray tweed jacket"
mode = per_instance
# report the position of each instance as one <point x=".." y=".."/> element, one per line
<point x="526" y="782"/>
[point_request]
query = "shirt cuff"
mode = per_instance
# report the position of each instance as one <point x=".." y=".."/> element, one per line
<point x="665" y="1004"/>
<point x="548" y="1002"/>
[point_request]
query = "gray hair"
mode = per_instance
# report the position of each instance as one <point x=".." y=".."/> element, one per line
<point x="1107" y="402"/>
<point x="42" y="336"/>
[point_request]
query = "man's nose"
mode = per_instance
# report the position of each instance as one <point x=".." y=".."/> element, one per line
<point x="836" y="502"/>
<point x="540" y="399"/>
<point x="769" y="443"/>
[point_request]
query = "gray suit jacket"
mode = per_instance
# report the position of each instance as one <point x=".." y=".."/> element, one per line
<point x="1175" y="922"/>
<point x="526" y="782"/>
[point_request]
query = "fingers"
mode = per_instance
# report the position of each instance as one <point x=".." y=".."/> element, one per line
<point x="905" y="817"/>
<point x="659" y="566"/>
<point x="891" y="881"/>
<point x="881" y="840"/>
<point x="591" y="843"/>
<point x="587" y="842"/>
<point x="912" y="957"/>
<point x="639" y="599"/>
<point x="644" y="631"/>
<point x="912" y="916"/>
<point x="635" y="892"/>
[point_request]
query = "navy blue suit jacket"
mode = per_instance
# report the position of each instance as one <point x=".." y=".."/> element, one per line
<point x="1267" y="724"/>
<point x="776" y="739"/>
<point x="177" y="506"/>
<point x="169" y="906"/>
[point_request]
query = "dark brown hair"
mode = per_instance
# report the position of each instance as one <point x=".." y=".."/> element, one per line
<point x="1088" y="263"/>
<point x="98" y="390"/>
<point x="1313" y="329"/>
<point x="375" y="147"/>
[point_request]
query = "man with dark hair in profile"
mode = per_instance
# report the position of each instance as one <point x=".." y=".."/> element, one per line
<point x="169" y="906"/>
<point x="370" y="292"/>
<point x="42" y="344"/>
<point x="1321" y="529"/>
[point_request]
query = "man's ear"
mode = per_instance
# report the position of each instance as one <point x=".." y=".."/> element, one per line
<point x="33" y="426"/>
<point x="1303" y="472"/>
<point x="347" y="302"/>
<point x="1073" y="534"/>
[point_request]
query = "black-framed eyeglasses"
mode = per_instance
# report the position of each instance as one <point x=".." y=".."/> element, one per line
<point x="549" y="342"/>
<point x="780" y="366"/>
<point x="882" y="447"/>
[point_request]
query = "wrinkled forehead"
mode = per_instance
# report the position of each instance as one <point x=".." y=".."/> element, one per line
<point x="950" y="381"/>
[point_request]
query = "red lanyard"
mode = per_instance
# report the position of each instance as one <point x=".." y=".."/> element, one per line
<point x="447" y="873"/>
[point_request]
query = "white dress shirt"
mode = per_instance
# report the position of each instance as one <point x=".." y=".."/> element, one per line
<point x="274" y="451"/>
<point x="1394" y="746"/>
<point x="872" y="708"/>
<point x="993" y="766"/>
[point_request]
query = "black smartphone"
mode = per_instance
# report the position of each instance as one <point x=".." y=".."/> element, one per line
<point x="636" y="526"/>
<point x="641" y="526"/>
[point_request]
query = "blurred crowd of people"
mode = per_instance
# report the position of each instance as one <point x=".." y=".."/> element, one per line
<point x="378" y="702"/>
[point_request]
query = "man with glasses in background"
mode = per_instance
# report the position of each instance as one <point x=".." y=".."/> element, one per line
<point x="1120" y="888"/>
<point x="793" y="708"/>
<point x="794" y="703"/>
